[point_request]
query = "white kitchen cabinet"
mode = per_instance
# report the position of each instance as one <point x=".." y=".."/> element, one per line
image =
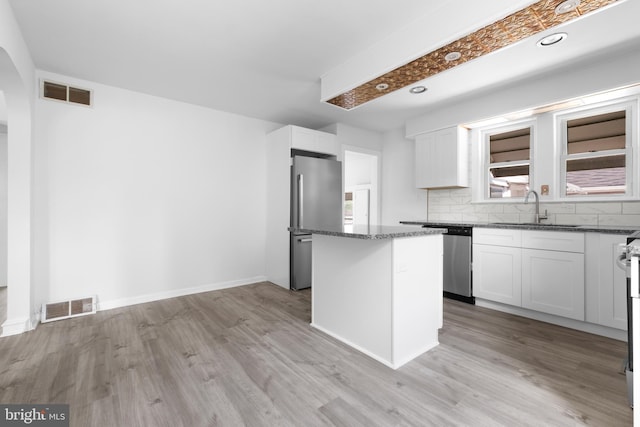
<point x="313" y="140"/>
<point x="606" y="288"/>
<point x="553" y="272"/>
<point x="442" y="158"/>
<point x="497" y="260"/>
<point x="496" y="273"/>
<point x="279" y="145"/>
<point x="553" y="282"/>
<point x="537" y="270"/>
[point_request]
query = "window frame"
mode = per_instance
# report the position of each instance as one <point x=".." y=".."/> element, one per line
<point x="485" y="136"/>
<point x="561" y="118"/>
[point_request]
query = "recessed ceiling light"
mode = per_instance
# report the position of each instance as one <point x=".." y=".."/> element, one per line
<point x="567" y="6"/>
<point x="382" y="86"/>
<point x="452" y="56"/>
<point x="552" y="39"/>
<point x="418" y="89"/>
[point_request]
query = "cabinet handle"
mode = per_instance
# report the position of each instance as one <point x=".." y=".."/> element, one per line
<point x="307" y="240"/>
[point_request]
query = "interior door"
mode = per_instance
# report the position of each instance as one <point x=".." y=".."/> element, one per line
<point x="361" y="206"/>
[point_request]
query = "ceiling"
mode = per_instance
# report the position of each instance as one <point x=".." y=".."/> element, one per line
<point x="265" y="59"/>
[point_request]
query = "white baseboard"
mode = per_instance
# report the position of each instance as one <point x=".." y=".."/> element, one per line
<point x="15" y="326"/>
<point x="141" y="299"/>
<point x="393" y="364"/>
<point x="375" y="357"/>
<point x="592" y="328"/>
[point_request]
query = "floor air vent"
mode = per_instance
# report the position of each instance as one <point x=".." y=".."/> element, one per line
<point x="66" y="309"/>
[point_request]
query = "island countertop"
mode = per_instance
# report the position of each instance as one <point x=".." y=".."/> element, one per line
<point x="372" y="232"/>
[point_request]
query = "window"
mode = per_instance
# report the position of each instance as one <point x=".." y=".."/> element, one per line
<point x="576" y="150"/>
<point x="508" y="162"/>
<point x="596" y="152"/>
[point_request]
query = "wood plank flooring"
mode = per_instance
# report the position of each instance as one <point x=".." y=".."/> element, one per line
<point x="247" y="356"/>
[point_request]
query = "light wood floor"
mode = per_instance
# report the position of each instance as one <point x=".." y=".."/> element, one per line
<point x="247" y="356"/>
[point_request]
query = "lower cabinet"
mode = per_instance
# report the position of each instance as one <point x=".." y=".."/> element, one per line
<point x="537" y="270"/>
<point x="606" y="284"/>
<point x="568" y="274"/>
<point x="553" y="282"/>
<point x="496" y="273"/>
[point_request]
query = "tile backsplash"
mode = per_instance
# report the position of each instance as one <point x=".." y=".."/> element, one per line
<point x="455" y="205"/>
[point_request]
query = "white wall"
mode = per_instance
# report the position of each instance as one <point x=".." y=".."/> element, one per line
<point x="141" y="197"/>
<point x="358" y="169"/>
<point x="17" y="81"/>
<point x="356" y="137"/>
<point x="3" y="109"/>
<point x="357" y="140"/>
<point x="401" y="200"/>
<point x="3" y="204"/>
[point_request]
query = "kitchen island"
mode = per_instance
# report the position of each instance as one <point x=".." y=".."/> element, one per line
<point x="379" y="289"/>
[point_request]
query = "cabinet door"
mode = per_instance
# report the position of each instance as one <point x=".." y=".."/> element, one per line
<point x="327" y="143"/>
<point x="304" y="139"/>
<point x="553" y="282"/>
<point x="313" y="140"/>
<point x="441" y="159"/>
<point x="606" y="284"/>
<point x="497" y="273"/>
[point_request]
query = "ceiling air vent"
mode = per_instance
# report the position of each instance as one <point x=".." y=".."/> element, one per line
<point x="66" y="309"/>
<point x="61" y="92"/>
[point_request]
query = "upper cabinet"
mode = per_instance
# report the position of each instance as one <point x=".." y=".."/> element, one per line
<point x="442" y="158"/>
<point x="313" y="140"/>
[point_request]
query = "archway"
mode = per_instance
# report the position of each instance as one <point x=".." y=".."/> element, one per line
<point x="18" y="120"/>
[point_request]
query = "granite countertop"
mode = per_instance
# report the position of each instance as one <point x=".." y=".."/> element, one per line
<point x="373" y="232"/>
<point x="612" y="229"/>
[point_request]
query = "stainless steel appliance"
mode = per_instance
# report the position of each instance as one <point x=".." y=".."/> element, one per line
<point x="316" y="202"/>
<point x="457" y="283"/>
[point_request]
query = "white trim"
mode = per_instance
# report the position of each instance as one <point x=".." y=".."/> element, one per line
<point x="393" y="365"/>
<point x="141" y="299"/>
<point x="592" y="328"/>
<point x="375" y="188"/>
<point x="630" y="106"/>
<point x="354" y="346"/>
<point x="16" y="326"/>
<point x="483" y="194"/>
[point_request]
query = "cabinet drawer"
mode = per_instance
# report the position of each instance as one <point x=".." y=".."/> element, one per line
<point x="497" y="236"/>
<point x="553" y="240"/>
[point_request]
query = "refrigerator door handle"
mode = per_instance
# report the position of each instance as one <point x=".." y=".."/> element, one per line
<point x="300" y="199"/>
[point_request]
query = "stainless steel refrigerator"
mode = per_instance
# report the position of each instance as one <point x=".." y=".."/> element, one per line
<point x="316" y="203"/>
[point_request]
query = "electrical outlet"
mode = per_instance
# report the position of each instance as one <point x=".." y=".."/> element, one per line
<point x="544" y="190"/>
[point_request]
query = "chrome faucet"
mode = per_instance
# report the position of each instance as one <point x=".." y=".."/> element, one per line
<point x="538" y="216"/>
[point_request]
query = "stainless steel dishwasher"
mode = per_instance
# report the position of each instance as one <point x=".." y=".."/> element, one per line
<point x="457" y="283"/>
